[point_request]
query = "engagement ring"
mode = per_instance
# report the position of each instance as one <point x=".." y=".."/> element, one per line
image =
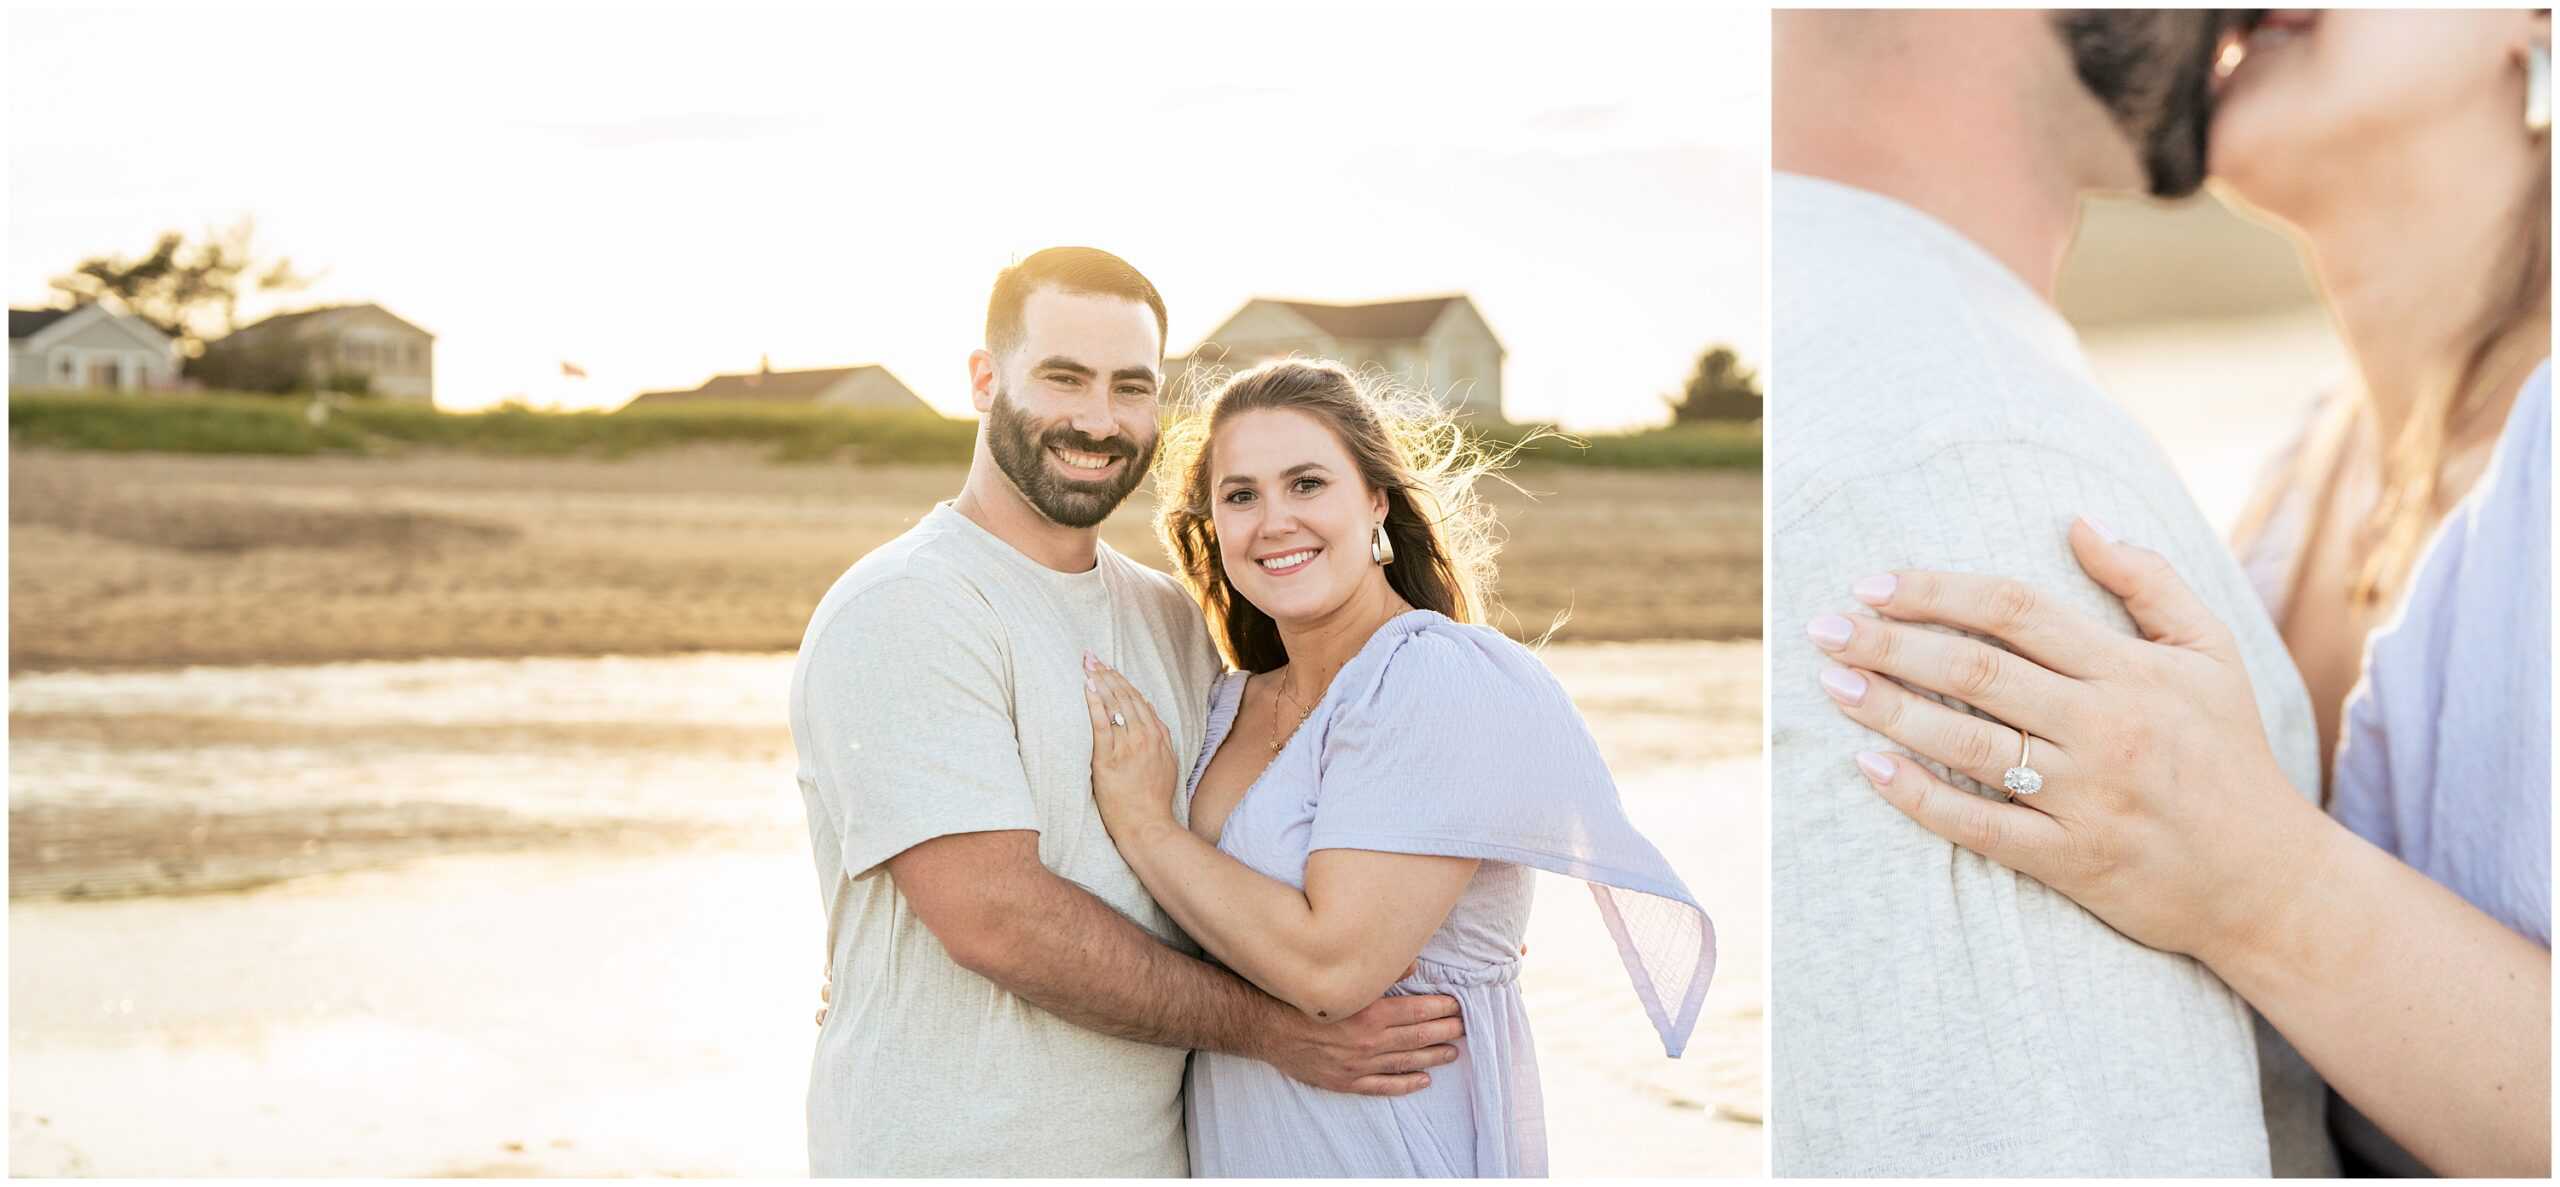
<point x="1118" y="721"/>
<point x="2022" y="779"/>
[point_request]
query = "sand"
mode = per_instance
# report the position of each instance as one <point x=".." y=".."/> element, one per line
<point x="433" y="815"/>
<point x="155" y="560"/>
<point x="556" y="917"/>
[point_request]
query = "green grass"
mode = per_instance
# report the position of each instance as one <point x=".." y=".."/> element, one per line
<point x="225" y="422"/>
<point x="1718" y="446"/>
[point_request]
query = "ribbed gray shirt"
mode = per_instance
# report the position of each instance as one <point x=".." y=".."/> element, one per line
<point x="1935" y="1013"/>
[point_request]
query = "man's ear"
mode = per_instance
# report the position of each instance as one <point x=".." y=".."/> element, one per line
<point x="983" y="380"/>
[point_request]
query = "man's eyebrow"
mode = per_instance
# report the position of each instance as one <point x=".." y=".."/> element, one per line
<point x="1059" y="362"/>
<point x="1145" y="373"/>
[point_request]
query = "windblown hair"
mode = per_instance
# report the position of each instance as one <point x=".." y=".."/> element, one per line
<point x="1405" y="445"/>
<point x="2510" y="332"/>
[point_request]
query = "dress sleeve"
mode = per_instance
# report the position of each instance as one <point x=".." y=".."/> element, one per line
<point x="1462" y="744"/>
<point x="910" y="722"/>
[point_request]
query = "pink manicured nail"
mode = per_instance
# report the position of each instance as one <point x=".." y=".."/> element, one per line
<point x="1874" y="591"/>
<point x="1845" y="686"/>
<point x="1830" y="632"/>
<point x="1877" y="768"/>
<point x="2105" y="533"/>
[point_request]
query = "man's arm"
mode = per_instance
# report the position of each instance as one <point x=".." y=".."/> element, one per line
<point x="1004" y="916"/>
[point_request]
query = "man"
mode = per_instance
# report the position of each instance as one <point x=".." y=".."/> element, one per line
<point x="1938" y="1014"/>
<point x="1007" y="1000"/>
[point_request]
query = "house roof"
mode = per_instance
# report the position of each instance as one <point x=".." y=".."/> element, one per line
<point x="1382" y="319"/>
<point x="23" y="323"/>
<point x="282" y="321"/>
<point x="779" y="386"/>
<point x="26" y="325"/>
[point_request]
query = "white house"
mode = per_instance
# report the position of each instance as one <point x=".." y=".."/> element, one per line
<point x="91" y="348"/>
<point x="1439" y="344"/>
<point x="395" y="358"/>
<point x="869" y="387"/>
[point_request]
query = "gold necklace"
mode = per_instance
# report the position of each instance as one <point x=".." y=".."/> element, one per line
<point x="1281" y="692"/>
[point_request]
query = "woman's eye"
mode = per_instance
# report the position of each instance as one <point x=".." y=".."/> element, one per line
<point x="1239" y="497"/>
<point x="1308" y="486"/>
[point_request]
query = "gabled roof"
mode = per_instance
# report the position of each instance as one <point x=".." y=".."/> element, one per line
<point x="26" y="325"/>
<point x="23" y="323"/>
<point x="293" y="320"/>
<point x="778" y="386"/>
<point x="1382" y="319"/>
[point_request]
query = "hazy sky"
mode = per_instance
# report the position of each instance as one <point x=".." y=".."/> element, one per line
<point x="661" y="195"/>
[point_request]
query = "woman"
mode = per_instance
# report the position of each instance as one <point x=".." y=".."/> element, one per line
<point x="2403" y="945"/>
<point x="2399" y="146"/>
<point x="1377" y="784"/>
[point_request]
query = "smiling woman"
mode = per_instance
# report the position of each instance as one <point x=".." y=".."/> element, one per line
<point x="1416" y="769"/>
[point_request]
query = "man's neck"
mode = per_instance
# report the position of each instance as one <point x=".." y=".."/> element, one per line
<point x="991" y="501"/>
<point x="1955" y="142"/>
<point x="2021" y="215"/>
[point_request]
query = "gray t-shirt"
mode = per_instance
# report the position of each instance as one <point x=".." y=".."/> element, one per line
<point x="1935" y="1013"/>
<point x="940" y="690"/>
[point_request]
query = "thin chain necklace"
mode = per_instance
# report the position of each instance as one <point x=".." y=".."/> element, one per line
<point x="1280" y="692"/>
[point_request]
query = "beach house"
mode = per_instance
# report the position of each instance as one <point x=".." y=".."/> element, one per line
<point x="1440" y="344"/>
<point x="90" y="348"/>
<point x="335" y="347"/>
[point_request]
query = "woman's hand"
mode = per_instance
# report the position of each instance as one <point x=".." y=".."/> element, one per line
<point x="1133" y="764"/>
<point x="2163" y="811"/>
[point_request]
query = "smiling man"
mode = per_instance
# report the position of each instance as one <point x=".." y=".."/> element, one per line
<point x="1007" y="999"/>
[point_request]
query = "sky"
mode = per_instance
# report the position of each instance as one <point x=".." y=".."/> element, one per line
<point x="658" y="195"/>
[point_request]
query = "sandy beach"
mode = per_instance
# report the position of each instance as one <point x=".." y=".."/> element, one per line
<point x="433" y="816"/>
<point x="609" y="968"/>
<point x="120" y="560"/>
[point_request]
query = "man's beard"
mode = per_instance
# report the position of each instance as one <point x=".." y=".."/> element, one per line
<point x="2153" y="70"/>
<point x="1021" y="451"/>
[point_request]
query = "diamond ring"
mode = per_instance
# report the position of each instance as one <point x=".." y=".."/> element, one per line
<point x="2022" y="779"/>
<point x="1118" y="721"/>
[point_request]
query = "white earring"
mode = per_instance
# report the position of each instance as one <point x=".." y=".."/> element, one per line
<point x="1381" y="549"/>
<point x="2537" y="89"/>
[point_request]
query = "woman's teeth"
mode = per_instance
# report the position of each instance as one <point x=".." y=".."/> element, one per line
<point x="1288" y="560"/>
<point x="1084" y="461"/>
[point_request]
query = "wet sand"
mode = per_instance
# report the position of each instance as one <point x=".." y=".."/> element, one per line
<point x="556" y="917"/>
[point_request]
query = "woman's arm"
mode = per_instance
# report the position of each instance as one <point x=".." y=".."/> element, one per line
<point x="2164" y="813"/>
<point x="1328" y="951"/>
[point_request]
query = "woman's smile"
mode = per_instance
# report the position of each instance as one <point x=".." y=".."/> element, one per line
<point x="1284" y="563"/>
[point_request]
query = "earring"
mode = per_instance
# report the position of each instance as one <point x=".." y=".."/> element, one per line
<point x="2537" y="89"/>
<point x="1381" y="549"/>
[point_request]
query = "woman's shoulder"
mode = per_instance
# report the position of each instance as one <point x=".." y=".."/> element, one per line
<point x="1432" y="664"/>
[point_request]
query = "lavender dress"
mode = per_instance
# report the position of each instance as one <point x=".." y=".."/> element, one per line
<point x="1451" y="740"/>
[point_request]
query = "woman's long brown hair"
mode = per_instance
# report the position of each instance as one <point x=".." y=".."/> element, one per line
<point x="1404" y="444"/>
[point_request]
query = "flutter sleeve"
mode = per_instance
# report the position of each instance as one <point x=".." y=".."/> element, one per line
<point x="1460" y="743"/>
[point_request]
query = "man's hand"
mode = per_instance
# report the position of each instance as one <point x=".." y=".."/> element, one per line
<point x="826" y="997"/>
<point x="1383" y="1050"/>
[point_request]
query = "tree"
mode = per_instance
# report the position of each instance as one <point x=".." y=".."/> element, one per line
<point x="192" y="291"/>
<point x="1720" y="389"/>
